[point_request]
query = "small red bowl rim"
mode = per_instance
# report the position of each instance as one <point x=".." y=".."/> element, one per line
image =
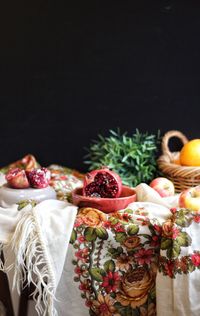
<point x="120" y="198"/>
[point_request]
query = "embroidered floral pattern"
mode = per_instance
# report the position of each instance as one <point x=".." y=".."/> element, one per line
<point x="115" y="263"/>
<point x="175" y="236"/>
<point x="116" y="257"/>
<point x="64" y="180"/>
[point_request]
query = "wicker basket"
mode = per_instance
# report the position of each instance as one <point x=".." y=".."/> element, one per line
<point x="182" y="177"/>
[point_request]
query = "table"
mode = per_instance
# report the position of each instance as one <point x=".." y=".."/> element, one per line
<point x="140" y="260"/>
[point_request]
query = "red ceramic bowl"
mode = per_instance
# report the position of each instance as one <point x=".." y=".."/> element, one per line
<point x="106" y="205"/>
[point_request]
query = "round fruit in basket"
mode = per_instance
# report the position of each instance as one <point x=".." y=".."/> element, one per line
<point x="190" y="153"/>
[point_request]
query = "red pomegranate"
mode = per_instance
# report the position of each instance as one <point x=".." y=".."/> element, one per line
<point x="29" y="162"/>
<point x="39" y="178"/>
<point x="102" y="183"/>
<point x="17" y="179"/>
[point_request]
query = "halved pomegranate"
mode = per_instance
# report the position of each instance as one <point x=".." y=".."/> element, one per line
<point x="39" y="178"/>
<point x="102" y="183"/>
<point x="28" y="163"/>
<point x="17" y="179"/>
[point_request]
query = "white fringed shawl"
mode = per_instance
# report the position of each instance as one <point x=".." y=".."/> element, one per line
<point x="39" y="237"/>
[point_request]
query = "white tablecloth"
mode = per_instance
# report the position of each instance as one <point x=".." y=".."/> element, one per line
<point x="43" y="233"/>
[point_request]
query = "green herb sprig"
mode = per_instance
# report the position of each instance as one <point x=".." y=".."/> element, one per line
<point x="132" y="157"/>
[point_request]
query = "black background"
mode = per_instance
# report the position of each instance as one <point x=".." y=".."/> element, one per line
<point x="73" y="69"/>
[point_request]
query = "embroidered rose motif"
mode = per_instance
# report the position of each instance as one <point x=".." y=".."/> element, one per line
<point x="91" y="217"/>
<point x="131" y="242"/>
<point x="169" y="230"/>
<point x="134" y="287"/>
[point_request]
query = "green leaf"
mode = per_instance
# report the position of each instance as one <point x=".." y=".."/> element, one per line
<point x="112" y="250"/>
<point x="183" y="217"/>
<point x="153" y="293"/>
<point x="129" y="211"/>
<point x="115" y="252"/>
<point x="165" y="243"/>
<point x="24" y="203"/>
<point x="133" y="229"/>
<point x="191" y="268"/>
<point x="113" y="294"/>
<point x="132" y="157"/>
<point x="120" y="237"/>
<point x="183" y="221"/>
<point x="126" y="310"/>
<point x="90" y="234"/>
<point x="119" y="250"/>
<point x="152" y="229"/>
<point x="183" y="239"/>
<point x="121" y="309"/>
<point x="113" y="220"/>
<point x="96" y="274"/>
<point x="101" y="233"/>
<point x="73" y="237"/>
<point x="109" y="266"/>
<point x="174" y="251"/>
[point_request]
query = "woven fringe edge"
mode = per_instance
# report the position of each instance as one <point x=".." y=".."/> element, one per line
<point x="31" y="264"/>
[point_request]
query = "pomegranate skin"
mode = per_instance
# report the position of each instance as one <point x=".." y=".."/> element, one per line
<point x="17" y="178"/>
<point x="102" y="183"/>
<point x="39" y="178"/>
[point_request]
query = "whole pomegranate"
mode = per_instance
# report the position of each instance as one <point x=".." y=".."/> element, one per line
<point x="39" y="178"/>
<point x="17" y="178"/>
<point x="102" y="183"/>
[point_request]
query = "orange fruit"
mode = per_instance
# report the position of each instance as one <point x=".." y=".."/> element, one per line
<point x="177" y="161"/>
<point x="190" y="153"/>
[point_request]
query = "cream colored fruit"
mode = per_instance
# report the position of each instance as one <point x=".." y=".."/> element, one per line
<point x="190" y="199"/>
<point x="163" y="186"/>
<point x="190" y="153"/>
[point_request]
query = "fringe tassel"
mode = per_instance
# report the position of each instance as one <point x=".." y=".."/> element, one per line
<point x="1" y="261"/>
<point x="32" y="264"/>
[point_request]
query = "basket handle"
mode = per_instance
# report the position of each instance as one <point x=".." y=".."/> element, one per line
<point x="166" y="138"/>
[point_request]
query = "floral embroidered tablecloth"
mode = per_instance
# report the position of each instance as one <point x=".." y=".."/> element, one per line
<point x="126" y="263"/>
<point x="117" y="257"/>
<point x="115" y="261"/>
<point x="139" y="261"/>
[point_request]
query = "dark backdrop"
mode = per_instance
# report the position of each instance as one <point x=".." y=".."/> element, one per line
<point x="73" y="69"/>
